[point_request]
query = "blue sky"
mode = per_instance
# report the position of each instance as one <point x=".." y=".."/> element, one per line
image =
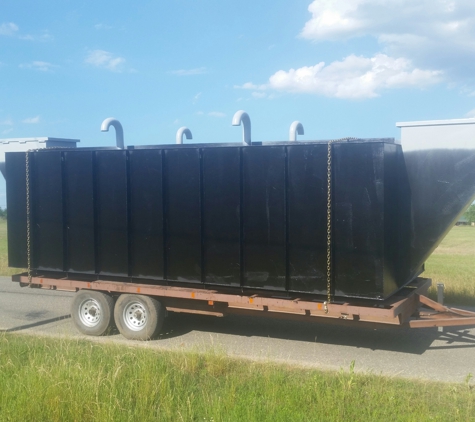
<point x="342" y="68"/>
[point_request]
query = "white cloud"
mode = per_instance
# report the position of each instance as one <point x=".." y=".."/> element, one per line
<point x="331" y="19"/>
<point x="250" y="85"/>
<point x="8" y="29"/>
<point x="11" y="29"/>
<point x="105" y="60"/>
<point x="44" y="36"/>
<point x="38" y="65"/>
<point x="216" y="114"/>
<point x="354" y="77"/>
<point x="471" y="113"/>
<point x="100" y="26"/>
<point x="438" y="34"/>
<point x="7" y="122"/>
<point x="31" y="120"/>
<point x="189" y="72"/>
<point x="7" y="131"/>
<point x="196" y="98"/>
<point x="423" y="42"/>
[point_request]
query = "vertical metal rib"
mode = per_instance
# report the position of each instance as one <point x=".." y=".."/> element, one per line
<point x="164" y="214"/>
<point x="202" y="222"/>
<point x="65" y="203"/>
<point x="130" y="263"/>
<point x="286" y="214"/>
<point x="95" y="200"/>
<point x="241" y="215"/>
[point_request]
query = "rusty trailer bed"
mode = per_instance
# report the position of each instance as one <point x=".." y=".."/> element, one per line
<point x="408" y="308"/>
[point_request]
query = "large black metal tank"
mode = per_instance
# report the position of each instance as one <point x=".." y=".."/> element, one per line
<point x="235" y="216"/>
<point x="442" y="183"/>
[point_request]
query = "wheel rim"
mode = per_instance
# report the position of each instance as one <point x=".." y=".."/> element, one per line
<point x="90" y="312"/>
<point x="135" y="316"/>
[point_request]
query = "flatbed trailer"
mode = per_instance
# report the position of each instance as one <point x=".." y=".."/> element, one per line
<point x="138" y="310"/>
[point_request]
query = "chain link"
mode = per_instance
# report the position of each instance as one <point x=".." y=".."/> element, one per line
<point x="329" y="220"/>
<point x="28" y="206"/>
<point x="28" y="215"/>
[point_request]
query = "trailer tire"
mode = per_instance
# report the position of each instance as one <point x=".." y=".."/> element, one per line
<point x="139" y="317"/>
<point x="92" y="312"/>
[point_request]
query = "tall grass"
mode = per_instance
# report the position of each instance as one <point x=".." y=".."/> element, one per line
<point x="453" y="263"/>
<point x="74" y="380"/>
<point x="4" y="268"/>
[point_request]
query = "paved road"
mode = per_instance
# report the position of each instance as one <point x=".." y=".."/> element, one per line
<point x="416" y="353"/>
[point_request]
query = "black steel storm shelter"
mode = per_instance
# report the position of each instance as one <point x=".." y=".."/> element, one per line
<point x="229" y="215"/>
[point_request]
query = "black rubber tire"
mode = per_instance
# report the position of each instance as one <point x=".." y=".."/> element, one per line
<point x="92" y="312"/>
<point x="139" y="317"/>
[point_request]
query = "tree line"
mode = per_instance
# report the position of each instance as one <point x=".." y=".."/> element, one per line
<point x="470" y="213"/>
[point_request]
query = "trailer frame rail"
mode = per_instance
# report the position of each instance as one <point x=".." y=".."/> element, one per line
<point x="410" y="307"/>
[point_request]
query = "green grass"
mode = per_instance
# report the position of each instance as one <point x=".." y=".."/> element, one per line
<point x="75" y="380"/>
<point x="453" y="263"/>
<point x="4" y="268"/>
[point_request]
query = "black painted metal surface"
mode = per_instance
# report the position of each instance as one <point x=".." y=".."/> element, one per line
<point x="264" y="194"/>
<point x="111" y="213"/>
<point x="252" y="217"/>
<point x="146" y="214"/>
<point x="79" y="211"/>
<point x="47" y="209"/>
<point x="183" y="215"/>
<point x="366" y="198"/>
<point x="221" y="219"/>
<point x="442" y="183"/>
<point x="307" y="218"/>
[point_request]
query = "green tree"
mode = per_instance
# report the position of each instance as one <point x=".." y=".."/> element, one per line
<point x="3" y="213"/>
<point x="470" y="213"/>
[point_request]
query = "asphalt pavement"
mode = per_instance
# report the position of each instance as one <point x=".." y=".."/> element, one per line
<point x="412" y="353"/>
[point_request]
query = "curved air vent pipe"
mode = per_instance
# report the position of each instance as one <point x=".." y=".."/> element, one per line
<point x="295" y="128"/>
<point x="183" y="131"/>
<point x="119" y="132"/>
<point x="242" y="116"/>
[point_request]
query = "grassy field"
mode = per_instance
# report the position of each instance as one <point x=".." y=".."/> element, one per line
<point x="73" y="380"/>
<point x="4" y="269"/>
<point x="453" y="263"/>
